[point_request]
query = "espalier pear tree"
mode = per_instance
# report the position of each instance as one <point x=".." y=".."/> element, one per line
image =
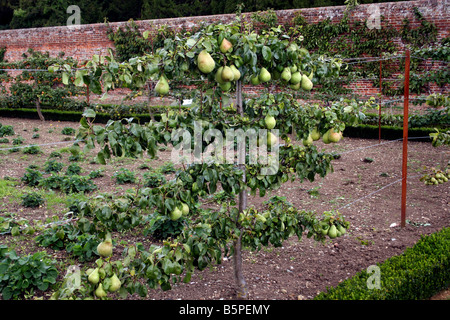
<point x="219" y="59"/>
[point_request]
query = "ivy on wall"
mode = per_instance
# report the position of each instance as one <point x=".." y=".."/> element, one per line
<point x="344" y="38"/>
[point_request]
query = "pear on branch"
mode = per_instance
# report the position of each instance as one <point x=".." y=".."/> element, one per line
<point x="205" y="62"/>
<point x="105" y="247"/>
<point x="226" y="46"/>
<point x="162" y="86"/>
<point x="264" y="75"/>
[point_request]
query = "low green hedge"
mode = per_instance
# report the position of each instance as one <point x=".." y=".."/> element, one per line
<point x="419" y="273"/>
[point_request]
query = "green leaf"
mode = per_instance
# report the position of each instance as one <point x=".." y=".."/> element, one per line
<point x="65" y="78"/>
<point x="266" y="53"/>
<point x="89" y="113"/>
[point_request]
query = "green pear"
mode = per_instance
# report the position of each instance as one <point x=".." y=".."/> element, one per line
<point x="225" y="86"/>
<point x="308" y="141"/>
<point x="326" y="137"/>
<point x="184" y="209"/>
<point x="295" y="86"/>
<point x="293" y="68"/>
<point x="176" y="214"/>
<point x="205" y="62"/>
<point x="264" y="75"/>
<point x="332" y="232"/>
<point x="94" y="276"/>
<point x="270" y="122"/>
<point x="225" y="46"/>
<point x="227" y="74"/>
<point x="115" y="283"/>
<point x="315" y="134"/>
<point x="99" y="292"/>
<point x="306" y="83"/>
<point x="237" y="73"/>
<point x="341" y="229"/>
<point x="162" y="86"/>
<point x="271" y="139"/>
<point x="286" y="74"/>
<point x="296" y="77"/>
<point x="334" y="136"/>
<point x="311" y="75"/>
<point x="105" y="247"/>
<point x="255" y="80"/>
<point x="218" y="76"/>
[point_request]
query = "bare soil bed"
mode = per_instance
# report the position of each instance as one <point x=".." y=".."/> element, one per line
<point x="299" y="269"/>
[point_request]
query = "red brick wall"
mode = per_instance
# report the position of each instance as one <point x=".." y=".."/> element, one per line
<point x="86" y="40"/>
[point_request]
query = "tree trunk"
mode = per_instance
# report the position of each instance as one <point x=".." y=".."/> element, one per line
<point x="38" y="108"/>
<point x="242" y="289"/>
<point x="237" y="257"/>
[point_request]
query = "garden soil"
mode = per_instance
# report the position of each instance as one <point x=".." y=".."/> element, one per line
<point x="365" y="187"/>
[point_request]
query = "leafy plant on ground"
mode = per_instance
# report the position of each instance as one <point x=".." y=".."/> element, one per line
<point x="21" y="275"/>
<point x="32" y="200"/>
<point x="32" y="150"/>
<point x="31" y="177"/>
<point x="68" y="131"/>
<point x="124" y="175"/>
<point x="6" y="130"/>
<point x="153" y="179"/>
<point x="73" y="169"/>
<point x="53" y="166"/>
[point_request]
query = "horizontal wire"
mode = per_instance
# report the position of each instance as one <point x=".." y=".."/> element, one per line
<point x="375" y="192"/>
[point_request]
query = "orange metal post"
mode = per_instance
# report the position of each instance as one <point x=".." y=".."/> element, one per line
<point x="405" y="139"/>
<point x="379" y="110"/>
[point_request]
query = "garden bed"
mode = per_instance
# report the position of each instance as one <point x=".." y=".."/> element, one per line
<point x="298" y="270"/>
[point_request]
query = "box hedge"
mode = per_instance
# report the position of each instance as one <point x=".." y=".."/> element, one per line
<point x="419" y="273"/>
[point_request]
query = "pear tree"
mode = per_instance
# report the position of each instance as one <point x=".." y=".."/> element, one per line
<point x="219" y="58"/>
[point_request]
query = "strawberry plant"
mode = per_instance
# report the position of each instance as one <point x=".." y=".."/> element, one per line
<point x="25" y="274"/>
<point x="32" y="200"/>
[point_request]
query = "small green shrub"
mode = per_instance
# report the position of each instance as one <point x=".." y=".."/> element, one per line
<point x="96" y="174"/>
<point x="53" y="237"/>
<point x="73" y="169"/>
<point x="6" y="130"/>
<point x="124" y="175"/>
<point x="52" y="166"/>
<point x="22" y="274"/>
<point x="31" y="177"/>
<point x="55" y="154"/>
<point x="4" y="140"/>
<point x="32" y="200"/>
<point x="35" y="136"/>
<point x="76" y="183"/>
<point x="52" y="182"/>
<point x="167" y="167"/>
<point x="32" y="150"/>
<point x="153" y="179"/>
<point x="18" y="141"/>
<point x="75" y="157"/>
<point x="68" y="131"/>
